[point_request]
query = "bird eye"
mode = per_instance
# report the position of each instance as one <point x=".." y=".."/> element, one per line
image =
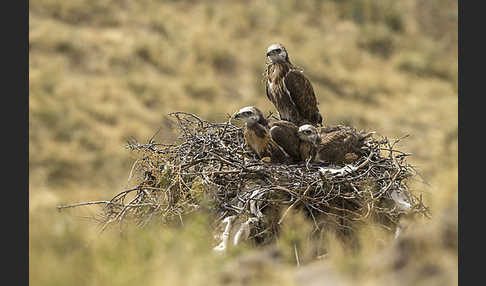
<point x="278" y="51"/>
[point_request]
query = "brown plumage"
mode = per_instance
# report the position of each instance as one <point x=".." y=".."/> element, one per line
<point x="284" y="133"/>
<point x="289" y="89"/>
<point x="307" y="151"/>
<point x="257" y="135"/>
<point x="333" y="145"/>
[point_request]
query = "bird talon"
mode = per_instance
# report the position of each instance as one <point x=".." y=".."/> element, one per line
<point x="267" y="159"/>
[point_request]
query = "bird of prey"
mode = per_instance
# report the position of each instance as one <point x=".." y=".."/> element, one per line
<point x="332" y="145"/>
<point x="289" y="89"/>
<point x="276" y="139"/>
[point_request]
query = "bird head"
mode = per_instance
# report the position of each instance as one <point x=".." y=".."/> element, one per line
<point x="249" y="114"/>
<point x="277" y="53"/>
<point x="309" y="134"/>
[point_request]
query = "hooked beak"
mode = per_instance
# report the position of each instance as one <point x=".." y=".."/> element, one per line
<point x="271" y="53"/>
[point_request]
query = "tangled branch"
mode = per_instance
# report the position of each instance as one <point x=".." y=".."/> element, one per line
<point x="209" y="166"/>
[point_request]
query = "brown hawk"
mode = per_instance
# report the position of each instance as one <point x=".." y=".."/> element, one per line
<point x="289" y="89"/>
<point x="332" y="145"/>
<point x="275" y="139"/>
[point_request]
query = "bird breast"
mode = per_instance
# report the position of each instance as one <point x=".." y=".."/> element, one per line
<point x="306" y="150"/>
<point x="255" y="142"/>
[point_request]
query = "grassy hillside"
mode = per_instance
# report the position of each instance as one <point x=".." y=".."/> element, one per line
<point x="103" y="71"/>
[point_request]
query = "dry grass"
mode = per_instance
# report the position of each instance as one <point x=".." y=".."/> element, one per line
<point x="103" y="71"/>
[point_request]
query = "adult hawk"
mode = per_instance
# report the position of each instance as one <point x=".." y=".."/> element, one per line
<point x="289" y="89"/>
<point x="332" y="145"/>
<point x="277" y="139"/>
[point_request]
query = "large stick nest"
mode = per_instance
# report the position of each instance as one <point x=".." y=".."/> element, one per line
<point x="210" y="167"/>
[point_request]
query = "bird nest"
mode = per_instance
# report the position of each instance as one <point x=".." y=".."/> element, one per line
<point x="210" y="167"/>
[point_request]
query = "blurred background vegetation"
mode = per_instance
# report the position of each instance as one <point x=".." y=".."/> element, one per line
<point x="101" y="71"/>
